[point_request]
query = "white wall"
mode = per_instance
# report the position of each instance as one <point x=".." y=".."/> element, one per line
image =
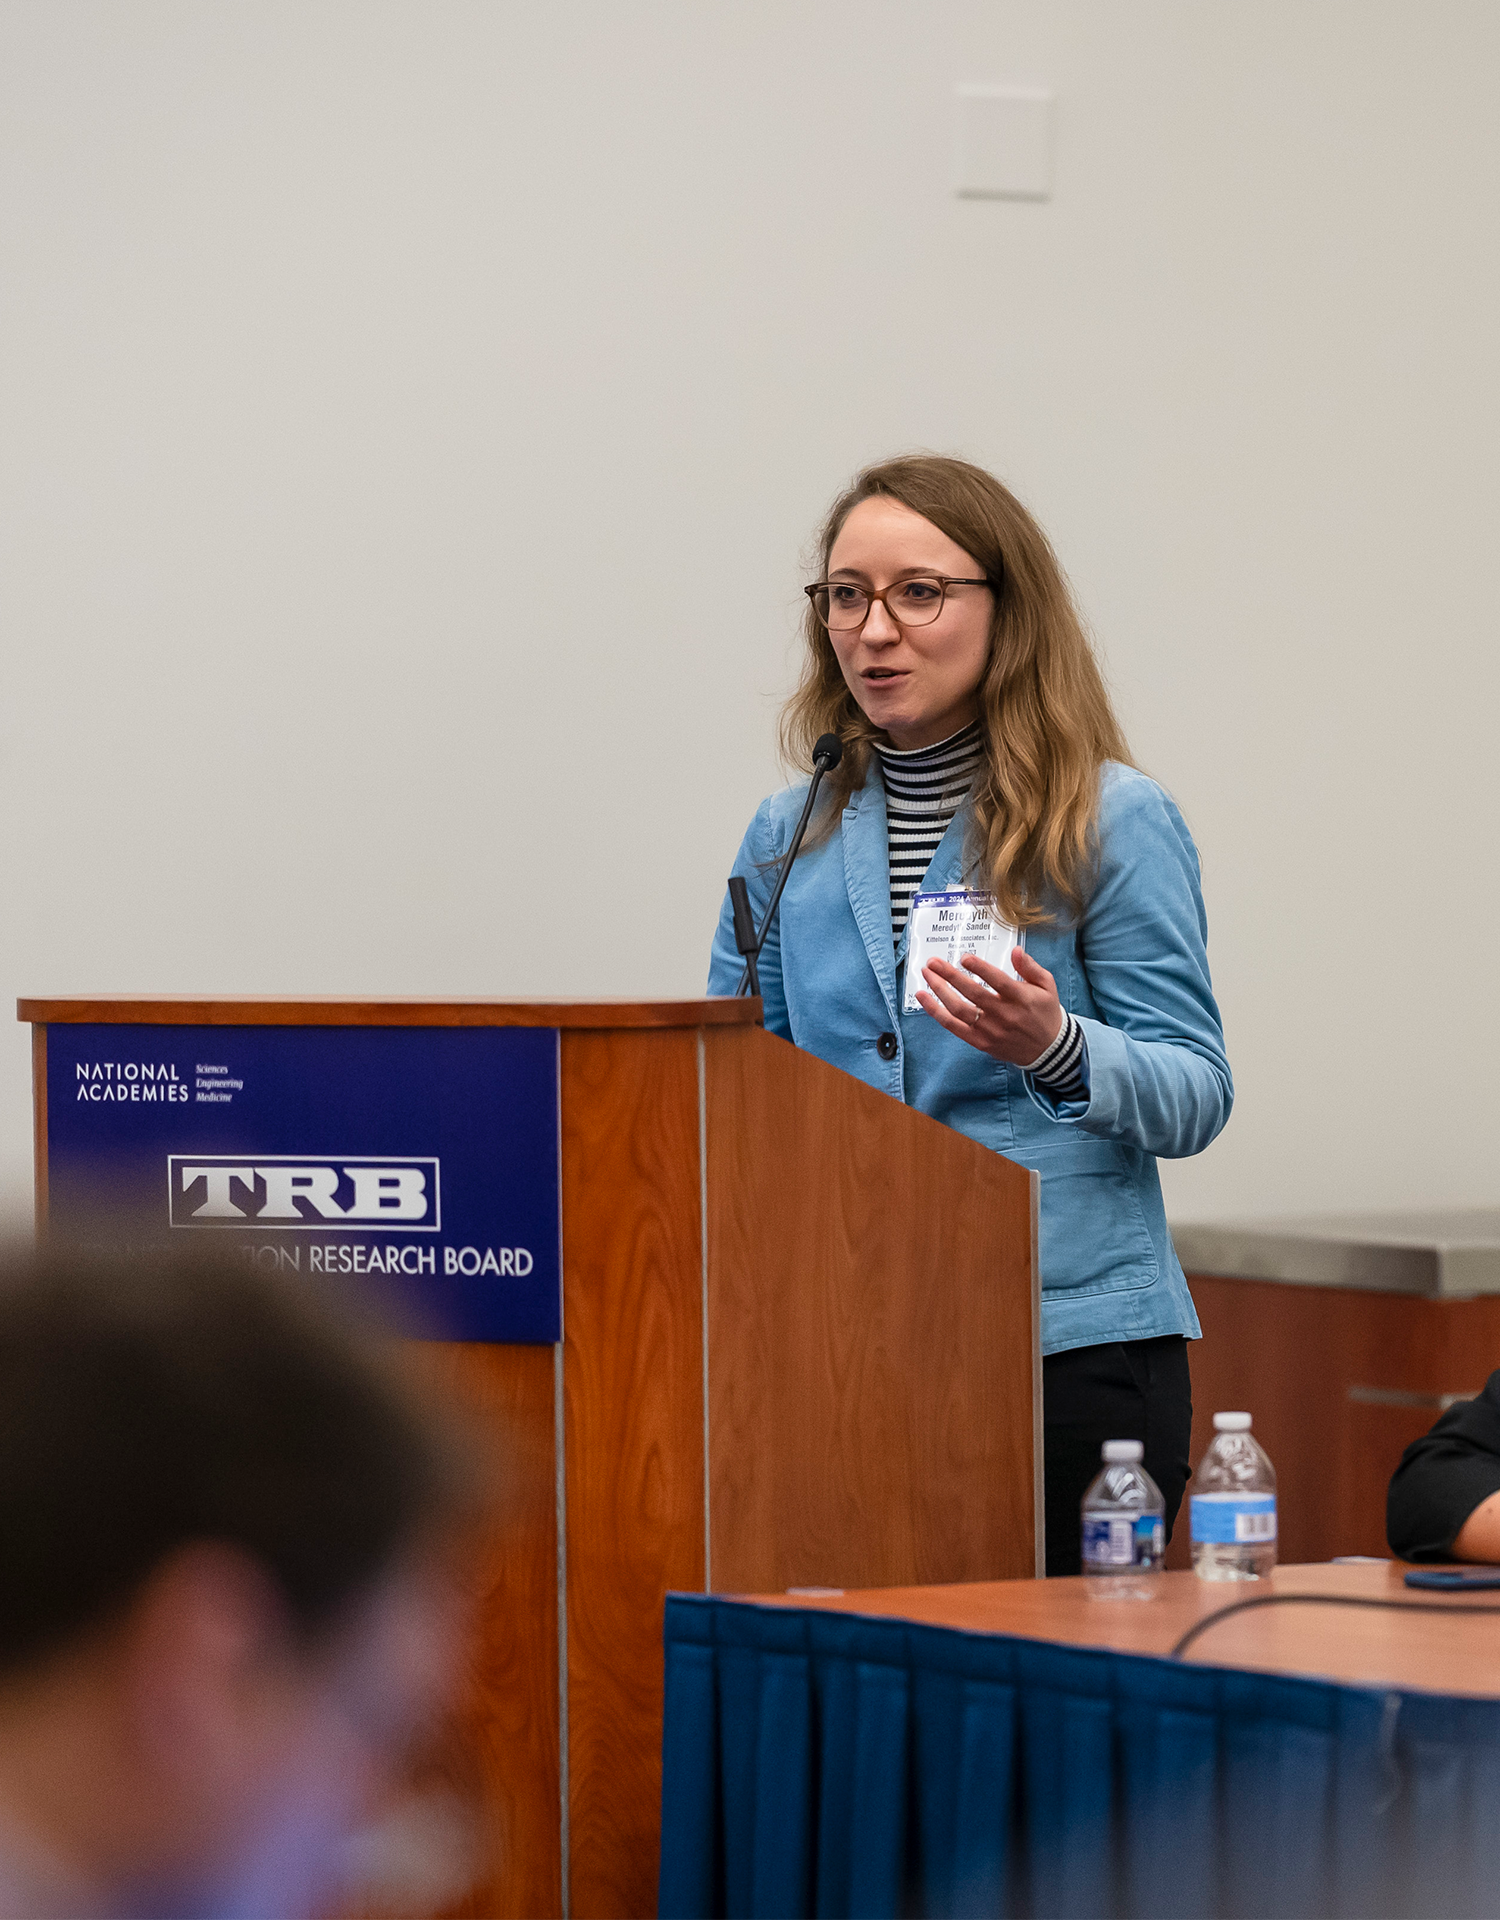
<point x="412" y="417"/>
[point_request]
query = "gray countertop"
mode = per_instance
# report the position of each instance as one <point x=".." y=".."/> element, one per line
<point x="1445" y="1254"/>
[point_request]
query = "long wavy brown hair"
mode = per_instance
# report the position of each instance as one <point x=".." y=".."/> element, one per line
<point x="1048" y="722"/>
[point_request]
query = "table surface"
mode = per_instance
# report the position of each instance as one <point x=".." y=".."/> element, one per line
<point x="1356" y="1645"/>
<point x="1443" y="1253"/>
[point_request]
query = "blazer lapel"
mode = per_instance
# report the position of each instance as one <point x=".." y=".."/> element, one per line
<point x="867" y="874"/>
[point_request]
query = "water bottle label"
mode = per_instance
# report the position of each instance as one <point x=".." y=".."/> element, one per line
<point x="1108" y="1540"/>
<point x="1234" y="1519"/>
<point x="1123" y="1540"/>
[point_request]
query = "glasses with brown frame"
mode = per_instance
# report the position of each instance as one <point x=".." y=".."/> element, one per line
<point x="843" y="606"/>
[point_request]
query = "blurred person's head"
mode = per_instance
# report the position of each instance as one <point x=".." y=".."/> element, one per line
<point x="221" y="1611"/>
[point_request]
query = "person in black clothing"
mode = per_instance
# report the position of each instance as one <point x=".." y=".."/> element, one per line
<point x="1444" y="1498"/>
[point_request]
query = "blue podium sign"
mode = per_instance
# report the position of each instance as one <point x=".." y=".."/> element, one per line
<point x="427" y="1156"/>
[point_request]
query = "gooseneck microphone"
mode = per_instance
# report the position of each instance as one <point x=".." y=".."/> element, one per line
<point x="744" y="934"/>
<point x="826" y="755"/>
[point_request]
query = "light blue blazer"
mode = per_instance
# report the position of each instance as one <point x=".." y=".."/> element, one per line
<point x="1134" y="969"/>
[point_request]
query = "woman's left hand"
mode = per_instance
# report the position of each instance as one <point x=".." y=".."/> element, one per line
<point x="1011" y="1020"/>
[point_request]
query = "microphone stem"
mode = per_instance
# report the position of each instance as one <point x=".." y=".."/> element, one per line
<point x="786" y="866"/>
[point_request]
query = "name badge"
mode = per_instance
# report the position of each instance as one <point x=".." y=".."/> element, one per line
<point x="944" y="926"/>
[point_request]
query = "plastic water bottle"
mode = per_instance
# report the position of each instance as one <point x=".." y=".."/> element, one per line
<point x="1234" y="1505"/>
<point x="1124" y="1527"/>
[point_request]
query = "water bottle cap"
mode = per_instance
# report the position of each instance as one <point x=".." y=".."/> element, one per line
<point x="1231" y="1423"/>
<point x="1118" y="1452"/>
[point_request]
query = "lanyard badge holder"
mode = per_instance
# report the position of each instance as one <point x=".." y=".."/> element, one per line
<point x="946" y="926"/>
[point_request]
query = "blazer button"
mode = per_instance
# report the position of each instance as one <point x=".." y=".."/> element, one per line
<point x="887" y="1046"/>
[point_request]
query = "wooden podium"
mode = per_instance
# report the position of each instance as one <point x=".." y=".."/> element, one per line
<point x="799" y="1349"/>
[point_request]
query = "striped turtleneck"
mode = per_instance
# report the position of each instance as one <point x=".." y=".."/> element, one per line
<point x="923" y="790"/>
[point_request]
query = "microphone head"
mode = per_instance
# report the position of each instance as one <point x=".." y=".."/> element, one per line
<point x="828" y="752"/>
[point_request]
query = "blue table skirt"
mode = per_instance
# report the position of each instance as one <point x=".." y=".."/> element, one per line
<point x="824" y="1763"/>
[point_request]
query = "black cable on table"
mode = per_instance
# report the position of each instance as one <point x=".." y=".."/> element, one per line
<point x="1319" y="1600"/>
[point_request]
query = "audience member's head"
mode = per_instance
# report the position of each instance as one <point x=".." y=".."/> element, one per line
<point x="221" y="1614"/>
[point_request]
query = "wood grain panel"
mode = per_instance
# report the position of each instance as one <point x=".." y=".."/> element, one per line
<point x="871" y="1334"/>
<point x="1357" y="1645"/>
<point x="633" y="1369"/>
<point x="1289" y="1355"/>
<point x="166" y="1011"/>
<point x="1466" y="1343"/>
<point x="497" y="1760"/>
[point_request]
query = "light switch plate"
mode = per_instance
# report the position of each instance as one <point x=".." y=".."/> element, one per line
<point x="1004" y="143"/>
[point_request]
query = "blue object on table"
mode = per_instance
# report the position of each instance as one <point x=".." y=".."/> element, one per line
<point x="829" y="1764"/>
<point x="1453" y="1579"/>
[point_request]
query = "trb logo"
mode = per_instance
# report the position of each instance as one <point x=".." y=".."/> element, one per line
<point x="330" y="1192"/>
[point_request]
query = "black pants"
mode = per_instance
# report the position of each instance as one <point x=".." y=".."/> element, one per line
<point x="1125" y="1390"/>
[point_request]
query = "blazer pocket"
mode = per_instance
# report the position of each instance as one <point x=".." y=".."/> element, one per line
<point x="1094" y="1235"/>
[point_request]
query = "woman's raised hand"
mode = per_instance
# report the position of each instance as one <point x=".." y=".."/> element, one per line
<point x="1011" y="1020"/>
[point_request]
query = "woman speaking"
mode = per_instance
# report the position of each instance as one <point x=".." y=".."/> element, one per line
<point x="982" y="761"/>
